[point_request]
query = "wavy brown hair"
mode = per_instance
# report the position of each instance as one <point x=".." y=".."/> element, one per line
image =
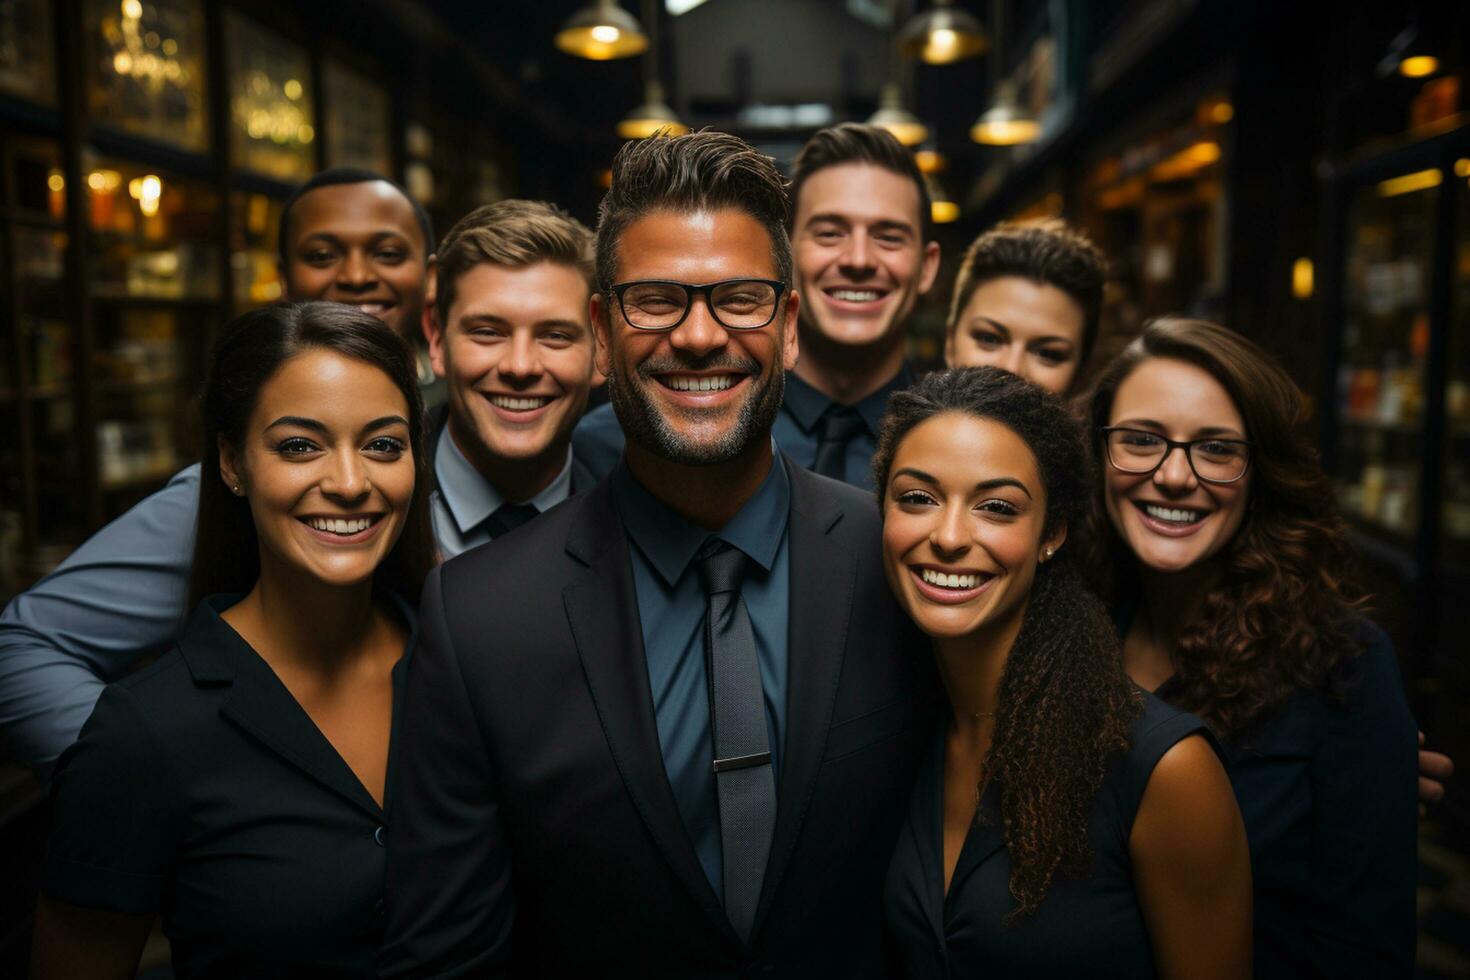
<point x="1066" y="707"/>
<point x="1282" y="614"/>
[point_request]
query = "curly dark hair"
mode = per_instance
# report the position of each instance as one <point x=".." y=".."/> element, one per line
<point x="1283" y="613"/>
<point x="1066" y="707"/>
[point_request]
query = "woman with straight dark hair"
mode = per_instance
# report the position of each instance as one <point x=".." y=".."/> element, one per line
<point x="236" y="785"/>
<point x="1065" y="823"/>
<point x="1215" y="536"/>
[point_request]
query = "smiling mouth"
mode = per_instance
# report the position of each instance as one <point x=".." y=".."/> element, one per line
<point x="848" y="294"/>
<point x="951" y="581"/>
<point x="1173" y="516"/>
<point x="700" y="383"/>
<point x="341" y="527"/>
<point x="949" y="588"/>
<point x="520" y="403"/>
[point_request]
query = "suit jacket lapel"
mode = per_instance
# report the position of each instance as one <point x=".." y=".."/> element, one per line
<point x="816" y="647"/>
<point x="262" y="706"/>
<point x="602" y="610"/>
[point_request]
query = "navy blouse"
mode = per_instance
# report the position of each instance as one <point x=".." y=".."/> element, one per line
<point x="1328" y="789"/>
<point x="201" y="789"/>
<point x="1090" y="927"/>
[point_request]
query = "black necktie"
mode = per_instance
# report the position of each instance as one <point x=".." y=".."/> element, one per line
<point x="837" y="427"/>
<point x="508" y="517"/>
<point x="745" y="783"/>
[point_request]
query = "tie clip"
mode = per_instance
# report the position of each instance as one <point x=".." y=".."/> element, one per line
<point x="743" y="761"/>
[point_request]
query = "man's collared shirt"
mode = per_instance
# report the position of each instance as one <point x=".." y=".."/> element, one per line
<point x="798" y="426"/>
<point x="671" y="611"/>
<point x="464" y="498"/>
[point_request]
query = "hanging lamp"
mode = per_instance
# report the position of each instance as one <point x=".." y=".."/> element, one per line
<point x="942" y="35"/>
<point x="653" y="116"/>
<point x="1005" y="123"/>
<point x="892" y="116"/>
<point x="601" y="32"/>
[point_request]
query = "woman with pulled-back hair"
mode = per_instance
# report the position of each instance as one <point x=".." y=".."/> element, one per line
<point x="1065" y="823"/>
<point x="237" y="785"/>
<point x="1213" y="533"/>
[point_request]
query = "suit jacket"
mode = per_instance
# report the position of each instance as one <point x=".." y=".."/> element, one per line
<point x="535" y="832"/>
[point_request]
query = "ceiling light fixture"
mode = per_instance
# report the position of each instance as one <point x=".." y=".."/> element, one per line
<point x="1005" y="123"/>
<point x="942" y="35"/>
<point x="602" y="32"/>
<point x="654" y="117"/>
<point x="892" y="116"/>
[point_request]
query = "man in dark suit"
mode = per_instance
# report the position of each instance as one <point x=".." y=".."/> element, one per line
<point x="669" y="728"/>
<point x="508" y="332"/>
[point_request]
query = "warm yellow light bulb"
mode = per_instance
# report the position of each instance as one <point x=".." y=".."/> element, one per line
<point x="1302" y="278"/>
<point x="606" y="33"/>
<point x="1418" y="66"/>
<point x="132" y="9"/>
<point x="55" y="181"/>
<point x="943" y="212"/>
<point x="943" y="45"/>
<point x="292" y="88"/>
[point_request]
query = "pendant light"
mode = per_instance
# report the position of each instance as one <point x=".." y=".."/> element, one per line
<point x="602" y="32"/>
<point x="654" y="115"/>
<point x="1005" y="123"/>
<point x="942" y="35"/>
<point x="892" y="116"/>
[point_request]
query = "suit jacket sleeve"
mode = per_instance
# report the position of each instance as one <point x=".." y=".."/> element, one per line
<point x="117" y="598"/>
<point x="450" y="902"/>
<point x="1365" y="806"/>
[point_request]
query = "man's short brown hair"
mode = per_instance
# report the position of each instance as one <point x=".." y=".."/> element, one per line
<point x="1048" y="252"/>
<point x="514" y="234"/>
<point x="861" y="143"/>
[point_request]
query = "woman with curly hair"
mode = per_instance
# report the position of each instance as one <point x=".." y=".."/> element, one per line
<point x="1065" y="824"/>
<point x="1217" y="541"/>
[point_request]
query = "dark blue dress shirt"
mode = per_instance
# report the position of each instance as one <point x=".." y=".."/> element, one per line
<point x="671" y="610"/>
<point x="598" y="439"/>
<point x="798" y="426"/>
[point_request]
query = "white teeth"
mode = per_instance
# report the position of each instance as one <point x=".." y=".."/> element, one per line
<point x="945" y="581"/>
<point x="1171" y="514"/>
<point x="373" y="308"/>
<point x="856" y="295"/>
<point x="518" y="404"/>
<point x="339" y="526"/>
<point x="718" y="382"/>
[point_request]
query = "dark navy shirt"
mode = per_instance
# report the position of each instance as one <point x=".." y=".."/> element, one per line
<point x="598" y="439"/>
<point x="201" y="789"/>
<point x="671" y="612"/>
<point x="798" y="426"/>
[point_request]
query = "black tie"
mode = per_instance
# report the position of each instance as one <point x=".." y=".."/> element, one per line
<point x="508" y="517"/>
<point x="838" y="425"/>
<point x="745" y="782"/>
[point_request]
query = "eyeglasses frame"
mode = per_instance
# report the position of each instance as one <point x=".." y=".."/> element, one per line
<point x="691" y="293"/>
<point x="1169" y="446"/>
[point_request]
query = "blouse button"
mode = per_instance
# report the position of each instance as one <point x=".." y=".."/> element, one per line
<point x="381" y="836"/>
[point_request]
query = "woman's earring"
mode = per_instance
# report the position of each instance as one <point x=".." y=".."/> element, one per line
<point x="237" y="491"/>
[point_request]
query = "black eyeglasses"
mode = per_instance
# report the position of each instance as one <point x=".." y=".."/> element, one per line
<point x="663" y="304"/>
<point x="1140" y="452"/>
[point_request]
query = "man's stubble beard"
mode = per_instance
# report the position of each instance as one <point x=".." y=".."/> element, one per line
<point x="643" y="423"/>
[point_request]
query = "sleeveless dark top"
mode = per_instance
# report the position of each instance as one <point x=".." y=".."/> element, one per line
<point x="1090" y="927"/>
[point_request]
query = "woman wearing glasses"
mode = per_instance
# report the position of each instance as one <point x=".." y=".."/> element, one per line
<point x="1218" y="543"/>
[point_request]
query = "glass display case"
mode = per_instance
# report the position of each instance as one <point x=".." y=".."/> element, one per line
<point x="359" y="129"/>
<point x="41" y="514"/>
<point x="272" y="128"/>
<point x="156" y="295"/>
<point x="255" y="221"/>
<point x="1455" y="506"/>
<point x="146" y="70"/>
<point x="1381" y="373"/>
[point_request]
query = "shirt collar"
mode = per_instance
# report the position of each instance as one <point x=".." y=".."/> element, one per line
<point x="471" y="498"/>
<point x="669" y="541"/>
<point x="806" y="404"/>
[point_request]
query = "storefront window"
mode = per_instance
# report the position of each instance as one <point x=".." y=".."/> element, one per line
<point x="359" y="133"/>
<point x="146" y="69"/>
<point x="272" y="129"/>
<point x="27" y="51"/>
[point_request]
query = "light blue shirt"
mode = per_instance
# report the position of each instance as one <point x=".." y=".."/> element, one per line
<point x="671" y="612"/>
<point x="121" y="596"/>
<point x="463" y="498"/>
